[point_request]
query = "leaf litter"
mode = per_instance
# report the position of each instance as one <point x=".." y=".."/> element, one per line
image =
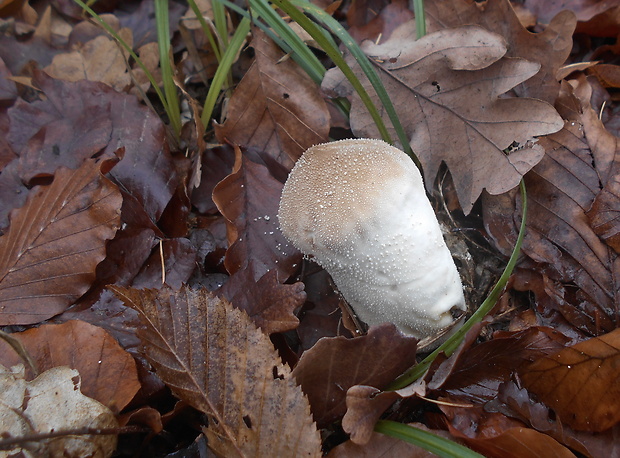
<point x="146" y="274"/>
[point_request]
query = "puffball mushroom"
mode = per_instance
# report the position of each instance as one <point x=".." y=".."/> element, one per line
<point x="359" y="208"/>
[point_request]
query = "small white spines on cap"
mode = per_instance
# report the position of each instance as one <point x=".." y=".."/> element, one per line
<point x="360" y="208"/>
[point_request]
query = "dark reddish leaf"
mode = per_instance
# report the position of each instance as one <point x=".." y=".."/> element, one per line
<point x="179" y="261"/>
<point x="580" y="382"/>
<point x="108" y="372"/>
<point x="55" y="241"/>
<point x="334" y="364"/>
<point x="270" y="304"/>
<point x="249" y="199"/>
<point x="379" y="26"/>
<point x="8" y="89"/>
<point x="217" y="164"/>
<point x="276" y="107"/>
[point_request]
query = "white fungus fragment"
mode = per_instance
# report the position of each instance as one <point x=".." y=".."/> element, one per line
<point x="375" y="233"/>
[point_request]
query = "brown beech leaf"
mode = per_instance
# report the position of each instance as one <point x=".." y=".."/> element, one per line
<point x="549" y="48"/>
<point x="495" y="435"/>
<point x="55" y="241"/>
<point x="276" y="107"/>
<point x="334" y="364"/>
<point x="214" y="358"/>
<point x="267" y="302"/>
<point x="108" y="372"/>
<point x="446" y="89"/>
<point x="580" y="382"/>
<point x="384" y="446"/>
<point x="249" y="198"/>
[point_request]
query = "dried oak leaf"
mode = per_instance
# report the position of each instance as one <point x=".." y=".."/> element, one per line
<point x="580" y="382"/>
<point x="446" y="89"/>
<point x="52" y="402"/>
<point x="335" y="364"/>
<point x="267" y="302"/>
<point x="549" y="48"/>
<point x="249" y="198"/>
<point x="108" y="372"/>
<point x="54" y="243"/>
<point x="214" y="358"/>
<point x="276" y="107"/>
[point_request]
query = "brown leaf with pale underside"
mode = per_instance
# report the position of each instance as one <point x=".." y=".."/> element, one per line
<point x="213" y="357"/>
<point x="580" y="382"/>
<point x="276" y="107"/>
<point x="448" y="100"/>
<point x="54" y="243"/>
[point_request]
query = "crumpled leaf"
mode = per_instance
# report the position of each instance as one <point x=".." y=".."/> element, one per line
<point x="49" y="254"/>
<point x="52" y="402"/>
<point x="447" y="98"/>
<point x="267" y="302"/>
<point x="276" y="107"/>
<point x="580" y="382"/>
<point x="249" y="198"/>
<point x="334" y="364"/>
<point x="108" y="372"/>
<point x="550" y="48"/>
<point x="213" y="357"/>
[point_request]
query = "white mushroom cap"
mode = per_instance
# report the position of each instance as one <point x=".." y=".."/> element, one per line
<point x="359" y="208"/>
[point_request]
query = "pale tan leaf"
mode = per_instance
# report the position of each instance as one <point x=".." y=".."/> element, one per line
<point x="213" y="357"/>
<point x="51" y="403"/>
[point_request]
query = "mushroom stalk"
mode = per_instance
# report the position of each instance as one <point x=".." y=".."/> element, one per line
<point x="359" y="208"/>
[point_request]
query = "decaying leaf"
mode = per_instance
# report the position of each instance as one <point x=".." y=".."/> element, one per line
<point x="249" y="198"/>
<point x="448" y="100"/>
<point x="580" y="382"/>
<point x="49" y="254"/>
<point x="334" y="364"/>
<point x="108" y="373"/>
<point x="214" y="358"/>
<point x="276" y="108"/>
<point x="52" y="402"/>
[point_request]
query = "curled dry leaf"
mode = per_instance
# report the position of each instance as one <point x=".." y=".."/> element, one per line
<point x="276" y="107"/>
<point x="49" y="254"/>
<point x="580" y="382"/>
<point x="334" y="364"/>
<point x="107" y="371"/>
<point x="549" y="48"/>
<point x="448" y="99"/>
<point x="52" y="402"/>
<point x="249" y="198"/>
<point x="214" y="358"/>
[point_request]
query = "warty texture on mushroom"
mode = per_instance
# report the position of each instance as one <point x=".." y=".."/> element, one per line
<point x="359" y="208"/>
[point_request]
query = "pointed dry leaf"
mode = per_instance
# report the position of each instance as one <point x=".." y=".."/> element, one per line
<point x="55" y="241"/>
<point x="213" y="357"/>
<point x="447" y="97"/>
<point x="276" y="108"/>
<point x="108" y="372"/>
<point x="52" y="402"/>
<point x="334" y="364"/>
<point x="249" y="198"/>
<point x="580" y="382"/>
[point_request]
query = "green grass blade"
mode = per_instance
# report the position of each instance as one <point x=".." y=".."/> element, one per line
<point x="366" y="66"/>
<point x="206" y="29"/>
<point x="335" y="55"/>
<point x="426" y="440"/>
<point x="163" y="40"/>
<point x="420" y="18"/>
<point x="454" y="341"/>
<point x="222" y="70"/>
<point x="130" y="51"/>
<point x="221" y="23"/>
